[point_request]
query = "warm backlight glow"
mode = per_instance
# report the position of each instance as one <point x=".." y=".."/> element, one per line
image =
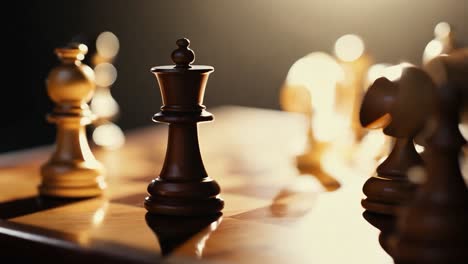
<point x="376" y="71"/>
<point x="417" y="175"/>
<point x="314" y="71"/>
<point x="464" y="130"/>
<point x="98" y="216"/>
<point x="437" y="46"/>
<point x="442" y="30"/>
<point x="433" y="49"/>
<point x="349" y="47"/>
<point x="83" y="50"/>
<point x="319" y="72"/>
<point x="328" y="125"/>
<point x="108" y="136"/>
<point x="381" y="122"/>
<point x="107" y="45"/>
<point x="103" y="104"/>
<point x="393" y="73"/>
<point x="105" y="74"/>
<point x="200" y="246"/>
<point x="372" y="147"/>
<point x="419" y="148"/>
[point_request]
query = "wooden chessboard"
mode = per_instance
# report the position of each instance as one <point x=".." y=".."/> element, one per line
<point x="272" y="214"/>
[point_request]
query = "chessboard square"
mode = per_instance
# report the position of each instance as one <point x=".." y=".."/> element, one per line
<point x="236" y="204"/>
<point x="246" y="242"/>
<point x="25" y="178"/>
<point x="98" y="225"/>
<point x="285" y="209"/>
<point x="263" y="191"/>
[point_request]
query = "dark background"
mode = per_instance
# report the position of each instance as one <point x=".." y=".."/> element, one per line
<point x="251" y="44"/>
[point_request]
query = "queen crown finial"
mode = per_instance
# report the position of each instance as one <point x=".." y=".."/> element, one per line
<point x="183" y="56"/>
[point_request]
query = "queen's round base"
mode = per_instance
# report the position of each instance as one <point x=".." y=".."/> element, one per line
<point x="183" y="207"/>
<point x="184" y="198"/>
<point x="386" y="195"/>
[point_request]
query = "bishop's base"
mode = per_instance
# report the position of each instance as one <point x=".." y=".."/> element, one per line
<point x="184" y="198"/>
<point x="183" y="206"/>
<point x="67" y="180"/>
<point x="71" y="192"/>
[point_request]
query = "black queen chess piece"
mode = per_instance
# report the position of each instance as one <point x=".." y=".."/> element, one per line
<point x="183" y="187"/>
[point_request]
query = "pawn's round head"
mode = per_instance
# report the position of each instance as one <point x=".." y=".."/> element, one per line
<point x="71" y="82"/>
<point x="183" y="56"/>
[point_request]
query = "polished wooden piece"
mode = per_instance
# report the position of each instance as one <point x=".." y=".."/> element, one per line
<point x="72" y="171"/>
<point x="433" y="229"/>
<point x="400" y="107"/>
<point x="272" y="213"/>
<point x="298" y="95"/>
<point x="183" y="186"/>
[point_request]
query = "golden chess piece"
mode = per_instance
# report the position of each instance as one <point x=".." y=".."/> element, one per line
<point x="72" y="171"/>
<point x="353" y="57"/>
<point x="310" y="92"/>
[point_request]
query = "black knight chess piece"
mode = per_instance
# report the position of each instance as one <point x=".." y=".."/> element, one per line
<point x="390" y="105"/>
<point x="183" y="186"/>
